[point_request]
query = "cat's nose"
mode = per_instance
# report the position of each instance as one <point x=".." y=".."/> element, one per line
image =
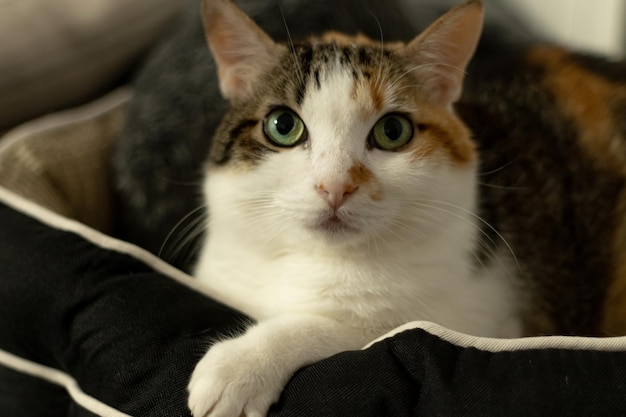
<point x="335" y="193"/>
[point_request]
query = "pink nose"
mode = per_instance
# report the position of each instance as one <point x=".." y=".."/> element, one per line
<point x="335" y="193"/>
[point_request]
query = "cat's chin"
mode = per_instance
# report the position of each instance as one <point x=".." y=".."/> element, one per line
<point x="334" y="224"/>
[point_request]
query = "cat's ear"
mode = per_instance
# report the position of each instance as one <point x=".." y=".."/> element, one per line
<point x="441" y="53"/>
<point x="241" y="49"/>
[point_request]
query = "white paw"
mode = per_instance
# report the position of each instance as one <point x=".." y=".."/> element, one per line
<point x="235" y="378"/>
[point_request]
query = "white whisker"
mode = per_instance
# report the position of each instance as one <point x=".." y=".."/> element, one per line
<point x="493" y="171"/>
<point x="193" y="230"/>
<point x="292" y="47"/>
<point x="481" y="220"/>
<point x="434" y="220"/>
<point x="176" y="226"/>
<point x="379" y="76"/>
<point x="502" y="187"/>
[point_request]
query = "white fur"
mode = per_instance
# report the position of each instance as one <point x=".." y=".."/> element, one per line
<point x="316" y="293"/>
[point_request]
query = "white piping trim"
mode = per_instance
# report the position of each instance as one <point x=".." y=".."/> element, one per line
<point x="606" y="344"/>
<point x="57" y="221"/>
<point x="66" y="117"/>
<point x="57" y="377"/>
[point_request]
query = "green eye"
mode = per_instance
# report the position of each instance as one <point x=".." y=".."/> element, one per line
<point x="283" y="127"/>
<point x="392" y="132"/>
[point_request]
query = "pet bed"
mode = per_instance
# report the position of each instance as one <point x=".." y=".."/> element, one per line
<point x="91" y="325"/>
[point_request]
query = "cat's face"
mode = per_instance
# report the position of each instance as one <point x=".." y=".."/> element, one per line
<point x="338" y="140"/>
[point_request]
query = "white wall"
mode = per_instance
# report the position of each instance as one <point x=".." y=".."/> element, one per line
<point x="596" y="25"/>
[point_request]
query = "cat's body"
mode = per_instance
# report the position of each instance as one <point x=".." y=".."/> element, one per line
<point x="552" y="181"/>
<point x="347" y="196"/>
<point x="373" y="261"/>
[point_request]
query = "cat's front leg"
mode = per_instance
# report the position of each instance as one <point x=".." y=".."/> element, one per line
<point x="246" y="375"/>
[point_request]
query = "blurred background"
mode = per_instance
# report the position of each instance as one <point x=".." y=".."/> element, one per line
<point x="59" y="54"/>
<point x="597" y="26"/>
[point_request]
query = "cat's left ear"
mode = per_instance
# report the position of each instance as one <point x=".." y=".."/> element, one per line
<point x="442" y="52"/>
<point x="241" y="49"/>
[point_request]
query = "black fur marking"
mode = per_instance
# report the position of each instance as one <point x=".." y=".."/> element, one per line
<point x="245" y="124"/>
<point x="364" y="57"/>
<point x="223" y="150"/>
<point x="222" y="156"/>
<point x="306" y="57"/>
<point x="618" y="107"/>
<point x="346" y="56"/>
<point x="251" y="150"/>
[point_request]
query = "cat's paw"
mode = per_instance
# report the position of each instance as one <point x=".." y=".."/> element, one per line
<point x="235" y="379"/>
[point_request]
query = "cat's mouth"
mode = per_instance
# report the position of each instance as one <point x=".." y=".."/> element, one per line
<point x="334" y="223"/>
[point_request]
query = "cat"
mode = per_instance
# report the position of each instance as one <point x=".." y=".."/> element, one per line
<point x="341" y="193"/>
<point x="355" y="185"/>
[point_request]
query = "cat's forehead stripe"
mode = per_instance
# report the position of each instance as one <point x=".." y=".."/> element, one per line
<point x="316" y="59"/>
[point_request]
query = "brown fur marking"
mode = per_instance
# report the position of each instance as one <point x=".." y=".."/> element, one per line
<point x="441" y="130"/>
<point x="586" y="98"/>
<point x="424" y="149"/>
<point x="370" y="96"/>
<point x="358" y="39"/>
<point x="361" y="175"/>
<point x="377" y="95"/>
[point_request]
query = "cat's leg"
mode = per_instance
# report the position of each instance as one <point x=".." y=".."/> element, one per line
<point x="247" y="374"/>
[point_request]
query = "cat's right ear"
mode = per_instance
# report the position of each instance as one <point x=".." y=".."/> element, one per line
<point x="241" y="49"/>
<point x="444" y="49"/>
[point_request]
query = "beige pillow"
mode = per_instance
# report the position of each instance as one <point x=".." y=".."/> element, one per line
<point x="54" y="54"/>
<point x="61" y="161"/>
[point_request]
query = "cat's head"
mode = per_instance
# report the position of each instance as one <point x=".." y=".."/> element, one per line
<point x="340" y="138"/>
